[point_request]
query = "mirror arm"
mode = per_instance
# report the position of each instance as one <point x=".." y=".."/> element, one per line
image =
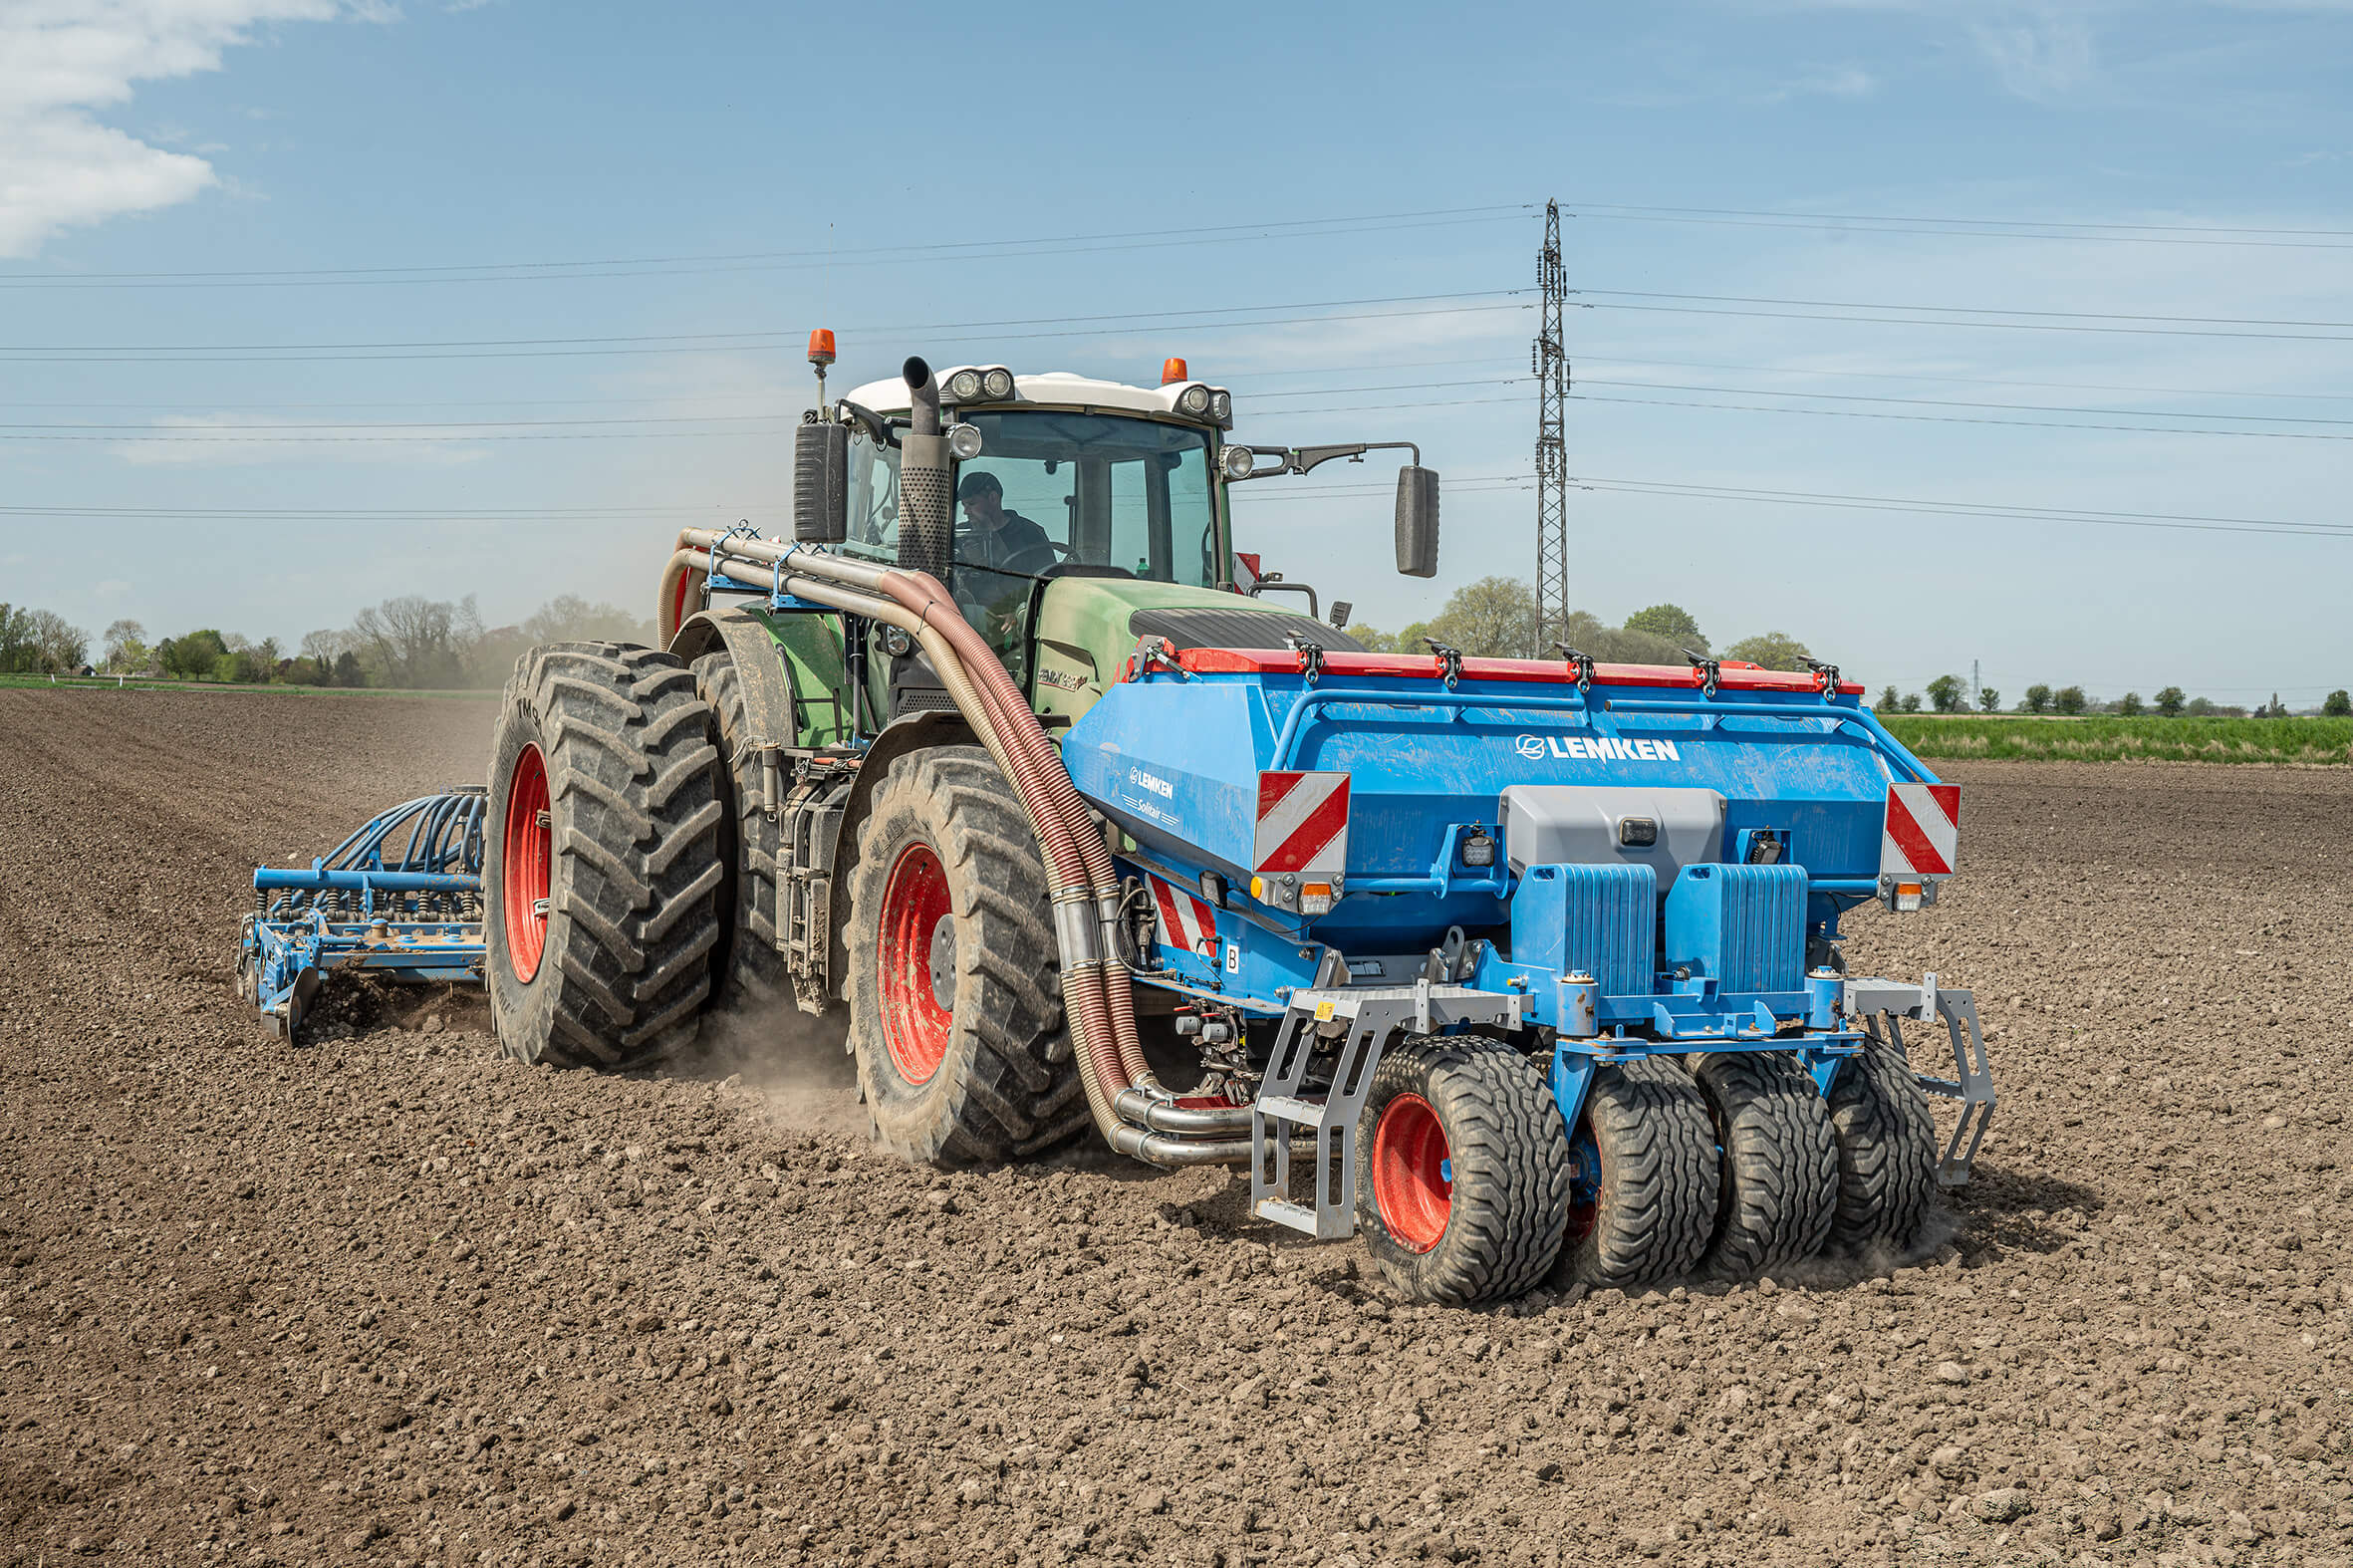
<point x="1266" y="585"/>
<point x="881" y="431"/>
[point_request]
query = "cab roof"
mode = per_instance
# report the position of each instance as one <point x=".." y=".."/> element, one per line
<point x="1058" y="388"/>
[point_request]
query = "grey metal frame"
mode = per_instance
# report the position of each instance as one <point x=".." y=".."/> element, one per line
<point x="1972" y="1083"/>
<point x="1366" y="1017"/>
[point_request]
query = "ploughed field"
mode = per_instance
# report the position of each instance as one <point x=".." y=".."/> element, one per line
<point x="381" y="1297"/>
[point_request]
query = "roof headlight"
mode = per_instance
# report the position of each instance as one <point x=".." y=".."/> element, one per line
<point x="997" y="384"/>
<point x="1222" y="407"/>
<point x="1194" y="400"/>
<point x="963" y="387"/>
<point x="1237" y="461"/>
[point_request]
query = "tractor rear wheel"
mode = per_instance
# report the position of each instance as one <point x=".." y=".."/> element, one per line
<point x="1644" y="1185"/>
<point x="751" y="970"/>
<point x="601" y="862"/>
<point x="1462" y="1175"/>
<point x="955" y="1007"/>
<point x="1779" y="1162"/>
<point x="1887" y="1154"/>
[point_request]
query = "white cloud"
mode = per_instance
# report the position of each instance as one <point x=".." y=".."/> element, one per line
<point x="2042" y="54"/>
<point x="60" y="61"/>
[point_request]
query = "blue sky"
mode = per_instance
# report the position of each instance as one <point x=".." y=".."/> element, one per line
<point x="2171" y="184"/>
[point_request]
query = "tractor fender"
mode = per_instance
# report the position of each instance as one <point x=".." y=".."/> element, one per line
<point x="914" y="733"/>
<point x="767" y="683"/>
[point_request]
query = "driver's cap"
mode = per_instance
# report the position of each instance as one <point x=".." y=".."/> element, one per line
<point x="980" y="483"/>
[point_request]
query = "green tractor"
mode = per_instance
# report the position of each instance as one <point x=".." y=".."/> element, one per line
<point x="833" y="781"/>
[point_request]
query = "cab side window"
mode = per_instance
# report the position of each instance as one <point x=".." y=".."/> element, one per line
<point x="874" y="500"/>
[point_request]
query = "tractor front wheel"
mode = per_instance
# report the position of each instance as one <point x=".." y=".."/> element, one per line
<point x="953" y="985"/>
<point x="1461" y="1178"/>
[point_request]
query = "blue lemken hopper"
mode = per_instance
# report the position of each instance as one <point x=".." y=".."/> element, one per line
<point x="1635" y="862"/>
<point x="401" y="900"/>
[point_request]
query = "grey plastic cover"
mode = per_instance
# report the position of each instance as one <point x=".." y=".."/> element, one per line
<point x="1579" y="825"/>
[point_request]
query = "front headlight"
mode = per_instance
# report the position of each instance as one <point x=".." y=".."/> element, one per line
<point x="1239" y="461"/>
<point x="1194" y="400"/>
<point x="964" y="387"/>
<point x="997" y="384"/>
<point x="964" y="443"/>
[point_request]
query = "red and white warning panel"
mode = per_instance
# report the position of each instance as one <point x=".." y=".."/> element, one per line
<point x="1301" y="848"/>
<point x="1919" y="841"/>
<point x="1302" y="824"/>
<point x="1185" y="922"/>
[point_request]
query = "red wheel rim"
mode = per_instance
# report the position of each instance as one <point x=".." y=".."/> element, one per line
<point x="527" y="854"/>
<point x="917" y="959"/>
<point x="1412" y="1176"/>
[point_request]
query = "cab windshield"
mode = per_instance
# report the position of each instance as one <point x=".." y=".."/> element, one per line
<point x="1084" y="492"/>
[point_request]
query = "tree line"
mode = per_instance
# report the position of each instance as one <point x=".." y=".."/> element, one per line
<point x="1497" y="617"/>
<point x="1950" y="694"/>
<point x="407" y="642"/>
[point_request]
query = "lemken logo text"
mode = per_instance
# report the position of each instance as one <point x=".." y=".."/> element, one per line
<point x="1153" y="782"/>
<point x="1596" y="748"/>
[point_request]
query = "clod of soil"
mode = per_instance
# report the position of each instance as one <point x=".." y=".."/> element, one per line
<point x="384" y="1298"/>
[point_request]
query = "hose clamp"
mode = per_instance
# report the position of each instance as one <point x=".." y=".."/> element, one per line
<point x="1078" y="929"/>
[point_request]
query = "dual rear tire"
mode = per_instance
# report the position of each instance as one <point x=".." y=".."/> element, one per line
<point x="601" y="858"/>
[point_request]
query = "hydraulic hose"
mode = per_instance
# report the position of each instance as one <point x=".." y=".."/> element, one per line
<point x="1097" y="996"/>
<point x="849" y="586"/>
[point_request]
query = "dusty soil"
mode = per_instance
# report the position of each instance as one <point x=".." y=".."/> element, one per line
<point x="382" y="1298"/>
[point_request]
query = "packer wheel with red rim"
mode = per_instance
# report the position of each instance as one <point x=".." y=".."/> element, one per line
<point x="953" y="977"/>
<point x="1462" y="1171"/>
<point x="1643" y="1184"/>
<point x="601" y="857"/>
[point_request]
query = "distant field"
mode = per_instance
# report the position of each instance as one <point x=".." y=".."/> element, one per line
<point x="2108" y="739"/>
<point x="274" y="687"/>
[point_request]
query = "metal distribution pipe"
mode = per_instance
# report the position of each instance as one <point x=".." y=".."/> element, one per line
<point x="1140" y="1108"/>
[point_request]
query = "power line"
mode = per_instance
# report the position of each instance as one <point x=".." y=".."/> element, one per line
<point x="1954" y="418"/>
<point x="1979" y="228"/>
<point x="374" y="513"/>
<point x="789" y="260"/>
<point x="1977" y="381"/>
<point x="1948" y="403"/>
<point x="544" y="348"/>
<point x="1989" y="325"/>
<point x="2033" y="514"/>
<point x="1966" y="310"/>
<point x="269" y="430"/>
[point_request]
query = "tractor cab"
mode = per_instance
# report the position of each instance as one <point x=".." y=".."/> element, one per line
<point x="1084" y="515"/>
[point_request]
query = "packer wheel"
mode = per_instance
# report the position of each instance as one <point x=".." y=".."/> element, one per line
<point x="1887" y="1156"/>
<point x="1462" y="1175"/>
<point x="1779" y="1190"/>
<point x="1644" y="1183"/>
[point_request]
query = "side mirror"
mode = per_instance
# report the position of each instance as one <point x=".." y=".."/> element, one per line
<point x="821" y="483"/>
<point x="1416" y="521"/>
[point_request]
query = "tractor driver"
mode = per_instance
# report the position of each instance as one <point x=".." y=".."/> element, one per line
<point x="995" y="551"/>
